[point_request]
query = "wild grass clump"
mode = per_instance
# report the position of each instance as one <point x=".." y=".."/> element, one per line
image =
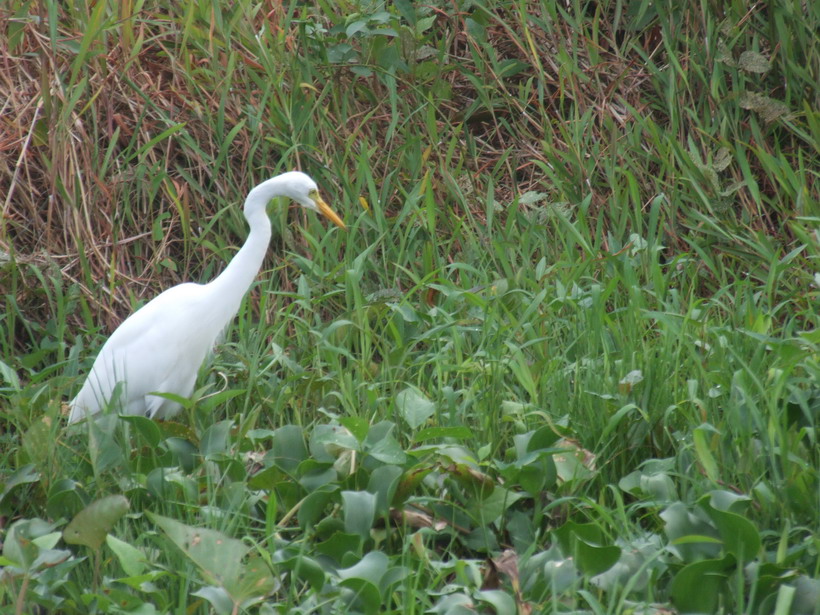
<point x="564" y="360"/>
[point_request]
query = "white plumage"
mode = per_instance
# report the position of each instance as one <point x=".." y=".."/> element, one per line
<point x="160" y="347"/>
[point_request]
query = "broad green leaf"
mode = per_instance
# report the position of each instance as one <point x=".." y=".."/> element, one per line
<point x="414" y="407"/>
<point x="303" y="568"/>
<point x="288" y="448"/>
<point x="148" y="428"/>
<point x="739" y="535"/>
<point x="385" y="448"/>
<point x="359" y="510"/>
<point x="313" y="506"/>
<point x="502" y="602"/>
<point x="218" y="597"/>
<point x="692" y="536"/>
<point x="255" y="581"/>
<point x="218" y="556"/>
<point x="357" y="426"/>
<point x="697" y="587"/>
<point x="333" y="439"/>
<point x="216" y="439"/>
<point x="131" y="559"/>
<point x="19" y="544"/>
<point x="586" y="543"/>
<point x="91" y="525"/>
<point x="371" y="568"/>
<point x="23" y="475"/>
<point x="384" y="481"/>
<point x="339" y="545"/>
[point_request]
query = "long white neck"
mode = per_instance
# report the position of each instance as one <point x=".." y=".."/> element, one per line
<point x="232" y="284"/>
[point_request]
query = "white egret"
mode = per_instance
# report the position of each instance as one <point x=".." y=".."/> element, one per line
<point x="160" y="347"/>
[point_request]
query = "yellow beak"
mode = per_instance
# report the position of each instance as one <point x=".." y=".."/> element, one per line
<point x="327" y="212"/>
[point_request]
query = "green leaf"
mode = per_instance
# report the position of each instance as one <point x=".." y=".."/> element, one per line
<point x="91" y="525"/>
<point x="288" y="448"/>
<point x="357" y="426"/>
<point x="313" y="506"/>
<point x="697" y="587"/>
<point x="23" y="475"/>
<point x="9" y="376"/>
<point x="340" y="545"/>
<point x="692" y="536"/>
<point x="740" y="536"/>
<point x="216" y="439"/>
<point x="414" y="407"/>
<point x="218" y="597"/>
<point x="371" y="568"/>
<point x="501" y="601"/>
<point x="19" y="544"/>
<point x="131" y="559"/>
<point x="585" y="543"/>
<point x="359" y="508"/>
<point x="218" y="556"/>
<point x="148" y="428"/>
<point x="382" y="446"/>
<point x="383" y="482"/>
<point x="303" y="568"/>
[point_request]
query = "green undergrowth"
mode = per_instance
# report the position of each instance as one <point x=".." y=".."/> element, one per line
<point x="565" y="358"/>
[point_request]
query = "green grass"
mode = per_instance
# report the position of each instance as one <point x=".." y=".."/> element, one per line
<point x="565" y="359"/>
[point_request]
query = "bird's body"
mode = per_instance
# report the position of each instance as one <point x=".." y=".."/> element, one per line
<point x="160" y="347"/>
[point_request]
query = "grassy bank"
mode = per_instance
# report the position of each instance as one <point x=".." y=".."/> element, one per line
<point x="564" y="360"/>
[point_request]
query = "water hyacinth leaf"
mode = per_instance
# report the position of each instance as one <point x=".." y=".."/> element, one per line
<point x="218" y="556"/>
<point x="501" y="601"/>
<point x="488" y="508"/>
<point x="65" y="499"/>
<point x="414" y="407"/>
<point x="255" y="581"/>
<point x="340" y="545"/>
<point x="303" y="568"/>
<point x="410" y="482"/>
<point x="382" y="446"/>
<point x="313" y="506"/>
<point x="586" y="543"/>
<point x="371" y="568"/>
<point x="333" y="439"/>
<point x="359" y="510"/>
<point x="288" y="448"/>
<point x="218" y="597"/>
<point x="692" y="537"/>
<point x="739" y="535"/>
<point x="383" y="482"/>
<point x="216" y="439"/>
<point x="19" y="546"/>
<point x="454" y="604"/>
<point x="146" y="427"/>
<point x="131" y="559"/>
<point x="91" y="525"/>
<point x="697" y="587"/>
<point x="24" y="475"/>
<point x="357" y="426"/>
<point x="595" y="559"/>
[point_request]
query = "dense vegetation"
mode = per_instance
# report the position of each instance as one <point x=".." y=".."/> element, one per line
<point x="565" y="359"/>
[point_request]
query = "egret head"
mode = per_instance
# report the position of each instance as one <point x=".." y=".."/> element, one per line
<point x="302" y="189"/>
